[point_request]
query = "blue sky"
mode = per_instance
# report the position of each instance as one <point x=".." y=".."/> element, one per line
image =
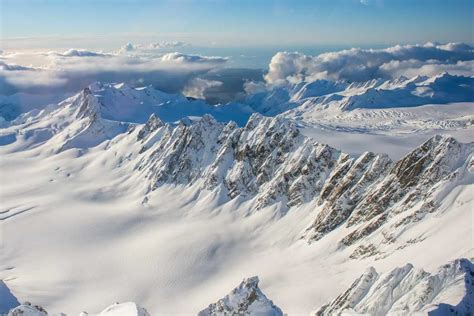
<point x="230" y="23"/>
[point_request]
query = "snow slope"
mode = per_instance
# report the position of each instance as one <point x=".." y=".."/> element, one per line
<point x="11" y="106"/>
<point x="170" y="209"/>
<point x="385" y="116"/>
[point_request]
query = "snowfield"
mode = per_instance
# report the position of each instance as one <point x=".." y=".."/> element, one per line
<point x="133" y="195"/>
<point x="392" y="131"/>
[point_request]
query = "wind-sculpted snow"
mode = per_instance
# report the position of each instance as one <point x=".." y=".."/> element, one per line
<point x="246" y="299"/>
<point x="408" y="290"/>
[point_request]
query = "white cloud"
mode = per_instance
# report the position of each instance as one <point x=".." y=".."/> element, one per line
<point x="152" y="48"/>
<point x="81" y="53"/>
<point x="197" y="87"/>
<point x="166" y="45"/>
<point x="252" y="87"/>
<point x="74" y="69"/>
<point x="365" y="64"/>
<point x="14" y="78"/>
<point x="412" y="68"/>
<point x="129" y="47"/>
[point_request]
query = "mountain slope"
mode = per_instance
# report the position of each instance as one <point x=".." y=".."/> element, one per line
<point x="270" y="160"/>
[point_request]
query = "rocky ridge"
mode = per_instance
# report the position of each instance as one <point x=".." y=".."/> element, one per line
<point x="407" y="290"/>
<point x="245" y="299"/>
<point x="269" y="160"/>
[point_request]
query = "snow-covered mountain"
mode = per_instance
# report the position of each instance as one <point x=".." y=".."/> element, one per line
<point x="123" y="103"/>
<point x="245" y="299"/>
<point x="139" y="187"/>
<point x="377" y="93"/>
<point x="120" y="102"/>
<point x="389" y="117"/>
<point x="408" y="290"/>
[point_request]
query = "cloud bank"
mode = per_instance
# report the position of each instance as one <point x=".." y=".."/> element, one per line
<point x="173" y="72"/>
<point x="365" y="64"/>
<point x="74" y="69"/>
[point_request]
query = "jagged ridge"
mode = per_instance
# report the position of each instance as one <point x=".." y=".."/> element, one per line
<point x="269" y="160"/>
<point x="407" y="290"/>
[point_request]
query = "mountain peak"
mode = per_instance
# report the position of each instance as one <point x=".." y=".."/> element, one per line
<point x="245" y="299"/>
<point x="253" y="120"/>
<point x="150" y="126"/>
<point x="87" y="105"/>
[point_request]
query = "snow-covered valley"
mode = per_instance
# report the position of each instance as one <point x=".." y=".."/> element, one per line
<point x="121" y="194"/>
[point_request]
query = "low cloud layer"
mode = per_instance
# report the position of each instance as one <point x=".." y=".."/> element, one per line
<point x="366" y="64"/>
<point x="204" y="76"/>
<point x="197" y="87"/>
<point x="74" y="69"/>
